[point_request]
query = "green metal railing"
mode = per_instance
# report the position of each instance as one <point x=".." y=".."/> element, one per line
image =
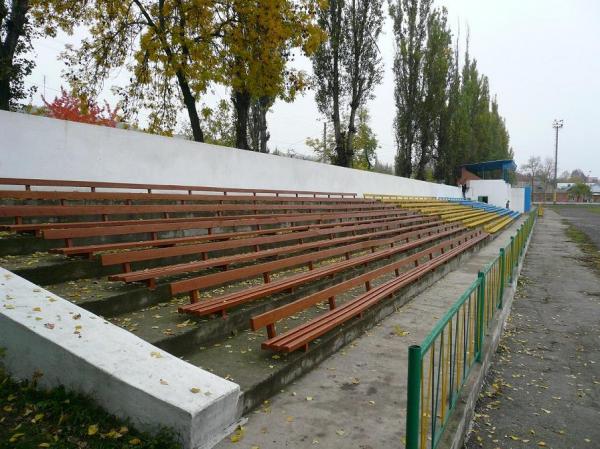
<point x="440" y="366"/>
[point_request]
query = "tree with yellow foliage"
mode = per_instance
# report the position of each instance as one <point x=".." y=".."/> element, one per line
<point x="168" y="46"/>
<point x="258" y="39"/>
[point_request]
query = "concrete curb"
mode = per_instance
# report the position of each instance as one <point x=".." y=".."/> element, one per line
<point x="48" y="336"/>
<point x="459" y="424"/>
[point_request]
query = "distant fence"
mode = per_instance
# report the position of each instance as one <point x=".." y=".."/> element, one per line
<point x="440" y="366"/>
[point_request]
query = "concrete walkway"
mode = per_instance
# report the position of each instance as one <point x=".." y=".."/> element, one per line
<point x="543" y="389"/>
<point x="357" y="398"/>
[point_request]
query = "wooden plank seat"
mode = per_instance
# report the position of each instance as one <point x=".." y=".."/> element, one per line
<point x="93" y="185"/>
<point x="90" y="250"/>
<point x="20" y="212"/>
<point x="497" y="225"/>
<point x="302" y="335"/>
<point x="139" y="227"/>
<point x="39" y="228"/>
<point x="255" y="242"/>
<point x="464" y="215"/>
<point x="63" y="196"/>
<point x="151" y="274"/>
<point x="269" y="319"/>
<point x="224" y="302"/>
<point x="481" y="220"/>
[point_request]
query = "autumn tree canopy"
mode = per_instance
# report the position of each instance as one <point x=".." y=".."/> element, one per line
<point x="258" y="41"/>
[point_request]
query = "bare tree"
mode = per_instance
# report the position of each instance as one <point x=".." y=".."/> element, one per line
<point x="532" y="167"/>
<point x="546" y="172"/>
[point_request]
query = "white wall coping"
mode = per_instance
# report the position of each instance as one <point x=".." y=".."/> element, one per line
<point x="123" y="373"/>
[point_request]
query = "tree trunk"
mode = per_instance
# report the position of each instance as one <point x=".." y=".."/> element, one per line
<point x="5" y="92"/>
<point x="15" y="28"/>
<point x="190" y="104"/>
<point x="241" y="102"/>
<point x="265" y="103"/>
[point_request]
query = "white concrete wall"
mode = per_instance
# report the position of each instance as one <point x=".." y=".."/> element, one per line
<point x="517" y="199"/>
<point x="124" y="374"/>
<point x="497" y="191"/>
<point x="39" y="147"/>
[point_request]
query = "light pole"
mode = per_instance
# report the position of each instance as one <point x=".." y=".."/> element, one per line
<point x="556" y="124"/>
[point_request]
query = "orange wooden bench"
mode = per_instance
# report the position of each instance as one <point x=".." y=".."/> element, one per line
<point x="203" y="249"/>
<point x="269" y="318"/>
<point x="223" y="303"/>
<point x="96" y="248"/>
<point x="68" y="234"/>
<point x="301" y="336"/>
<point x="94" y="185"/>
<point x="150" y="275"/>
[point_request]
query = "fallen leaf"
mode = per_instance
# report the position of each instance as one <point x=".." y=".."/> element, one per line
<point x="542" y="443"/>
<point x="49" y="325"/>
<point x="195" y="390"/>
<point x="135" y="441"/>
<point x="156" y="354"/>
<point x="93" y="429"/>
<point x="309" y="398"/>
<point x="15" y="437"/>
<point x="400" y="332"/>
<point x="164" y="382"/>
<point x="340" y="432"/>
<point x="238" y="434"/>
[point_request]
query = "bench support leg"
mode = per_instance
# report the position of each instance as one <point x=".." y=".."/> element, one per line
<point x="194" y="296"/>
<point x="331" y="303"/>
<point x="151" y="283"/>
<point x="267" y="277"/>
<point x="271" y="333"/>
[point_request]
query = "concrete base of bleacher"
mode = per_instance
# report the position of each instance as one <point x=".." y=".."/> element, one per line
<point x="357" y="397"/>
<point x="48" y="337"/>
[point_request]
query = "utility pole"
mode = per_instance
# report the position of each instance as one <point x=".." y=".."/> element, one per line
<point x="556" y="124"/>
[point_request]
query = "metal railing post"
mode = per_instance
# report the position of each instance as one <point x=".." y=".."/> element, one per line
<point x="502" y="279"/>
<point x="512" y="259"/>
<point x="480" y="314"/>
<point x="413" y="400"/>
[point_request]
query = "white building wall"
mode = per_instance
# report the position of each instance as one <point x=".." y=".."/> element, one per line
<point x="498" y="192"/>
<point x="517" y="199"/>
<point x="40" y="147"/>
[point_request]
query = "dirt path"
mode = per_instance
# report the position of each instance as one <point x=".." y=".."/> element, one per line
<point x="543" y="389"/>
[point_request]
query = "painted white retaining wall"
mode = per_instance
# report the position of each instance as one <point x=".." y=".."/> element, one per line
<point x="39" y="147"/>
<point x="124" y="374"/>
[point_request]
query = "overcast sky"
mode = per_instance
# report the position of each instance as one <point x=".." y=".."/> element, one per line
<point x="542" y="58"/>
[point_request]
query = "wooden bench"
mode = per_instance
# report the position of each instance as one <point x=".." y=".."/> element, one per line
<point x="88" y="250"/>
<point x="105" y="211"/>
<point x="268" y="319"/>
<point x="150" y="275"/>
<point x="94" y="185"/>
<point x="68" y="234"/>
<point x="182" y="198"/>
<point x="203" y="249"/>
<point x="222" y="303"/>
<point x="302" y="335"/>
